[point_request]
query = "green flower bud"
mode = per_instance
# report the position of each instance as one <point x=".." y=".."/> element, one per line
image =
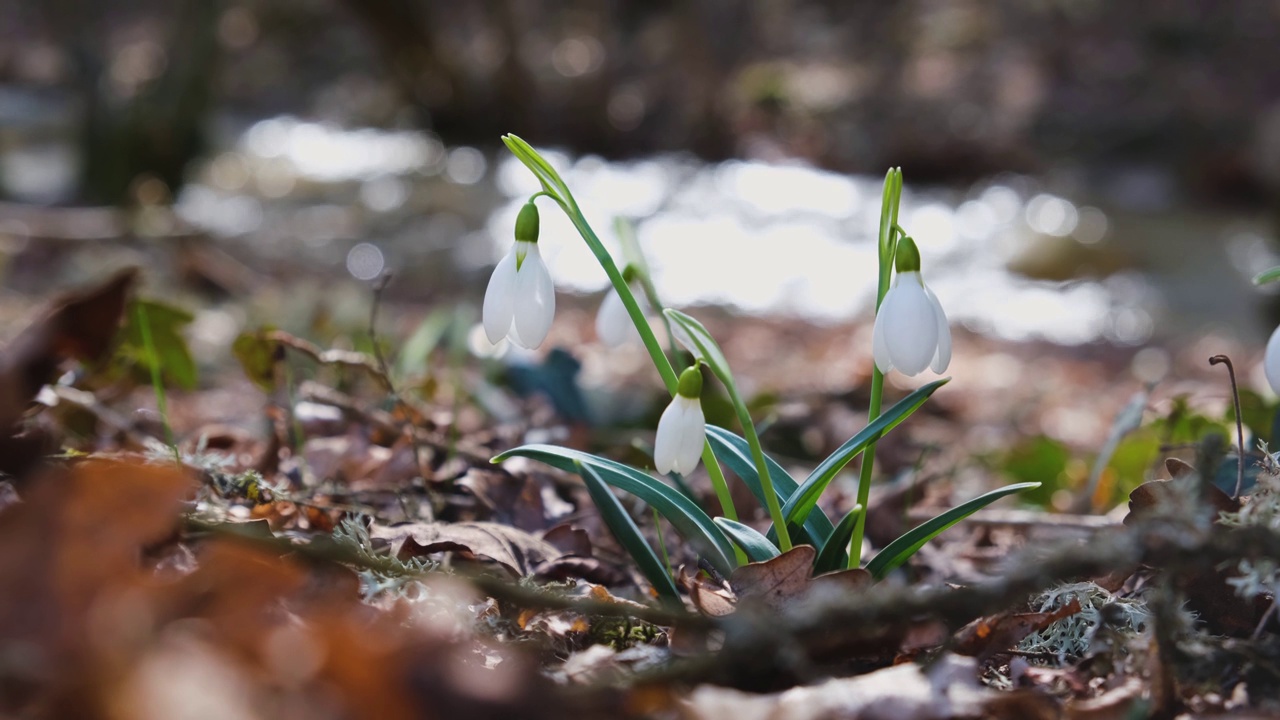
<point x="527" y="223"/>
<point x="630" y="273"/>
<point x="907" y="257"/>
<point x="691" y="382"/>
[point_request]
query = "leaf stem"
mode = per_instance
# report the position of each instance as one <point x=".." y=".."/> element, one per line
<point x="157" y="382"/>
<point x="890" y="199"/>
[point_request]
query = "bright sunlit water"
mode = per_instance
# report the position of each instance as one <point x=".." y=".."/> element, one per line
<point x="795" y="240"/>
<point x="781" y="239"/>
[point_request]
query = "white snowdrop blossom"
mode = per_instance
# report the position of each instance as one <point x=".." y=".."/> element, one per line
<point x="682" y="429"/>
<point x="613" y="324"/>
<point x="1271" y="361"/>
<point x="911" y="331"/>
<point x="520" y="302"/>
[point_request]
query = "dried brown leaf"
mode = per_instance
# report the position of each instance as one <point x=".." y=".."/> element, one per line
<point x="710" y="598"/>
<point x="777" y="582"/>
<point x="990" y="635"/>
<point x="516" y="550"/>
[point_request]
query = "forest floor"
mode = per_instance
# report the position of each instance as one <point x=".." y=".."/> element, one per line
<point x="313" y="527"/>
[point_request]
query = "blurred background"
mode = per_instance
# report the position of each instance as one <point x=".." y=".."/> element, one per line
<point x="1076" y="172"/>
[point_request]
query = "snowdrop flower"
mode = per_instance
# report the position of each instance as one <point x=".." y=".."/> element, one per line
<point x="520" y="301"/>
<point x="682" y="429"/>
<point x="1271" y="361"/>
<point x="911" y="331"/>
<point x="613" y="324"/>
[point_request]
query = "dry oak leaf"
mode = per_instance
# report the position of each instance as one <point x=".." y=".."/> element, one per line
<point x="516" y="550"/>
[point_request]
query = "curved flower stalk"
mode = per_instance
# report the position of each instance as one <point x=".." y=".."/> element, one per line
<point x="682" y="429"/>
<point x="554" y="187"/>
<point x="614" y="327"/>
<point x="520" y="302"/>
<point x="911" y="331"/>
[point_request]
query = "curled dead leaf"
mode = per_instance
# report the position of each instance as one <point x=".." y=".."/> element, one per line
<point x="519" y="552"/>
<point x="994" y="634"/>
<point x="710" y="598"/>
<point x="777" y="582"/>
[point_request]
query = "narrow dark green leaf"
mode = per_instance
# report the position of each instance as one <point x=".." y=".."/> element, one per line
<point x="1267" y="276"/>
<point x="756" y="546"/>
<point x="686" y="517"/>
<point x="732" y="450"/>
<point x="833" y="554"/>
<point x="627" y="534"/>
<point x="801" y="502"/>
<point x="897" y="552"/>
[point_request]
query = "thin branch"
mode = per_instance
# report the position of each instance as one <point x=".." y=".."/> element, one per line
<point x="344" y="358"/>
<point x="1235" y="396"/>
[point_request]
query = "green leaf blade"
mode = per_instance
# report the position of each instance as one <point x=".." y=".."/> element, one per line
<point x="831" y="556"/>
<point x="757" y="546"/>
<point x="1267" y="276"/>
<point x="732" y="449"/>
<point x="627" y="534"/>
<point x="801" y="503"/>
<point x="687" y="518"/>
<point x="898" y="551"/>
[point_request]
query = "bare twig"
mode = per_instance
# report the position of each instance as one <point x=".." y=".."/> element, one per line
<point x="345" y="358"/>
<point x="1235" y="396"/>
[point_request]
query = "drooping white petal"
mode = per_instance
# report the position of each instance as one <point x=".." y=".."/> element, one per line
<point x="911" y="328"/>
<point x="1271" y="361"/>
<point x="499" y="299"/>
<point x="879" y="349"/>
<point x="693" y="436"/>
<point x="942" y="356"/>
<point x="535" y="300"/>
<point x="666" y="445"/>
<point x="613" y="323"/>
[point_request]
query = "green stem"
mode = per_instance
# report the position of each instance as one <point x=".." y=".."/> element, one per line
<point x="887" y="245"/>
<point x="157" y="382"/>
<point x="762" y="469"/>
<point x="651" y="344"/>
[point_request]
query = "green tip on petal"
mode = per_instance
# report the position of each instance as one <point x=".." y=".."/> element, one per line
<point x="527" y="223"/>
<point x="691" y="381"/>
<point x="630" y="273"/>
<point x="907" y="257"/>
